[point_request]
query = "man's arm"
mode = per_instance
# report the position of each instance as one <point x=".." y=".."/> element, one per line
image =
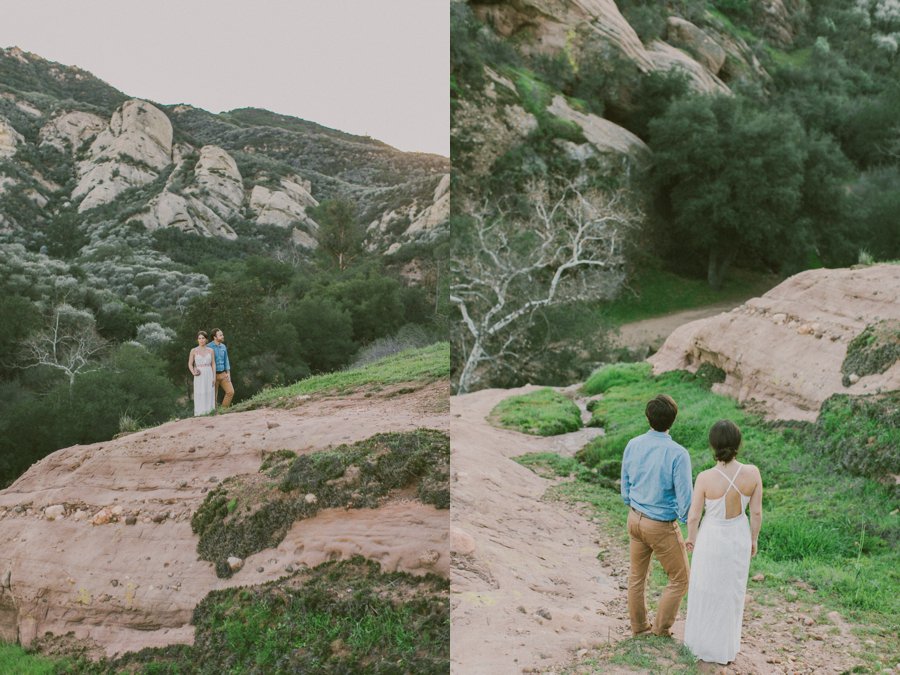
<point x="227" y="362"/>
<point x="681" y="474"/>
<point x="625" y="482"/>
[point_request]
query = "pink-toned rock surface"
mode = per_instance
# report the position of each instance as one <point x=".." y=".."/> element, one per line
<point x="130" y="586"/>
<point x="784" y="350"/>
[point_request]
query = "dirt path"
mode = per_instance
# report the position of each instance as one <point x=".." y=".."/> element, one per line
<point x="527" y="587"/>
<point x="530" y="593"/>
<point x="653" y="332"/>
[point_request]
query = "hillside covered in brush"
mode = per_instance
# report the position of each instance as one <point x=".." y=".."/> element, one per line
<point x="127" y="226"/>
<point x="690" y="140"/>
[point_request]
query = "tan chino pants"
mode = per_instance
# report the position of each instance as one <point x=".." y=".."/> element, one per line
<point x="224" y="380"/>
<point x="651" y="537"/>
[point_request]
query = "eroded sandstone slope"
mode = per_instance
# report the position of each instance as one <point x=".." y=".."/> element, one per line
<point x="786" y="350"/>
<point x="98" y="539"/>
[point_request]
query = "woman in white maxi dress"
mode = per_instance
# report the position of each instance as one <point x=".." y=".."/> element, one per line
<point x="722" y="548"/>
<point x="201" y="363"/>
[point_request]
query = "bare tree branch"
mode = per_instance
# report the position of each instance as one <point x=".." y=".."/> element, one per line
<point x="68" y="343"/>
<point x="569" y="248"/>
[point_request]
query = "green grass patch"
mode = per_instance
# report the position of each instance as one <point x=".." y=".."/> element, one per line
<point x="656" y="292"/>
<point x="339" y="617"/>
<point x="14" y="659"/>
<point x="542" y="413"/>
<point x="832" y="530"/>
<point x="615" y="375"/>
<point x="360" y="475"/>
<point x="799" y="58"/>
<point x="416" y="365"/>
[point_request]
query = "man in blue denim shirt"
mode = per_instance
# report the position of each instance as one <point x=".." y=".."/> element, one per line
<point x="223" y="367"/>
<point x="656" y="485"/>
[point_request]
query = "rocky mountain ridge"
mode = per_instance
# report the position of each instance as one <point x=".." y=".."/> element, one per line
<point x="181" y="167"/>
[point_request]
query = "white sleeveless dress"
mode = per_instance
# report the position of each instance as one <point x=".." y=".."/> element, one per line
<point x="718" y="584"/>
<point x="204" y="385"/>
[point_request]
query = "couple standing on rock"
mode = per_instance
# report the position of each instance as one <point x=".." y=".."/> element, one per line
<point x="656" y="485"/>
<point x="211" y="369"/>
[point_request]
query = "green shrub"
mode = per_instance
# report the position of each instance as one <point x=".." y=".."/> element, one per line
<point x="542" y="413"/>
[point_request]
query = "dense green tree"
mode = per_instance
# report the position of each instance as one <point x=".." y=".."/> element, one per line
<point x="325" y="332"/>
<point x="340" y="236"/>
<point x="19" y="318"/>
<point x="875" y="205"/>
<point x="732" y="178"/>
<point x="374" y="302"/>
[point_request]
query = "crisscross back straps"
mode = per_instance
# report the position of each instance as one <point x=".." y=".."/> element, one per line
<point x="731" y="480"/>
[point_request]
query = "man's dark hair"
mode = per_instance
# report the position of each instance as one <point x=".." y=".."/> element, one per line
<point x="214" y="331"/>
<point x="661" y="412"/>
<point x="725" y="439"/>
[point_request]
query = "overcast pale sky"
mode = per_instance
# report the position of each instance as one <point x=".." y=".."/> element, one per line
<point x="375" y="67"/>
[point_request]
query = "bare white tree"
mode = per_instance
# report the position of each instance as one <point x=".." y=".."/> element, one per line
<point x="505" y="267"/>
<point x="68" y="342"/>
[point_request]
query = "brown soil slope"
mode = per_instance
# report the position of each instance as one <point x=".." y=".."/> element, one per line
<point x="129" y="586"/>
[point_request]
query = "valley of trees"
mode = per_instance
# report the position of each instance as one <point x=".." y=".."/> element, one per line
<point x="798" y="167"/>
<point x="79" y="363"/>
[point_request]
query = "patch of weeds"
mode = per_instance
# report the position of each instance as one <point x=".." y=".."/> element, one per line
<point x="360" y="475"/>
<point x="647" y="653"/>
<point x="873" y="351"/>
<point x="708" y="375"/>
<point x="862" y="433"/>
<point x="276" y="462"/>
<point x="541" y="413"/>
<point x="339" y="617"/>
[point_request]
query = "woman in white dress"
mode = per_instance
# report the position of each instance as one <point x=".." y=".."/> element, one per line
<point x="722" y="548"/>
<point x="202" y="365"/>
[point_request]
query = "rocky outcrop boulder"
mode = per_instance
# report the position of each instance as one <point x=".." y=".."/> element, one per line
<point x="97" y="539"/>
<point x="9" y="139"/>
<point x="704" y="48"/>
<point x="70" y="130"/>
<point x="605" y="136"/>
<point x="129" y="153"/>
<point x="551" y="25"/>
<point x="214" y="194"/>
<point x="783" y="352"/>
<point x="287" y="208"/>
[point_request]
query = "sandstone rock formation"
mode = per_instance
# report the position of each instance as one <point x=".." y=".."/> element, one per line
<point x="578" y="26"/>
<point x="69" y="130"/>
<point x="9" y="139"/>
<point x="605" y="136"/>
<point x="708" y="52"/>
<point x="97" y="539"/>
<point x="130" y="152"/>
<point x="783" y="351"/>
<point x="214" y="194"/>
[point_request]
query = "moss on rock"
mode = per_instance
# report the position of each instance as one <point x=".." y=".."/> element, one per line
<point x="360" y="475"/>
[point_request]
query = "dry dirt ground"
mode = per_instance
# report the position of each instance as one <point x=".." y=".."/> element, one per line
<point x="132" y="579"/>
<point x="651" y="333"/>
<point x="529" y="593"/>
